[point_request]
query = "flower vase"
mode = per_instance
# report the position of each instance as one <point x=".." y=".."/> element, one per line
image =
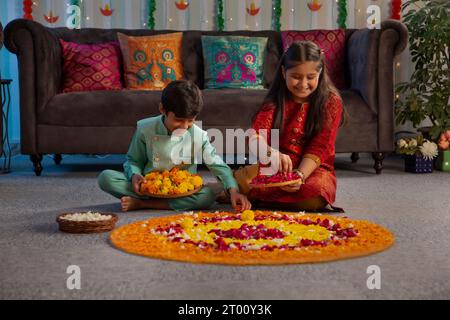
<point x="418" y="164"/>
<point x="443" y="161"/>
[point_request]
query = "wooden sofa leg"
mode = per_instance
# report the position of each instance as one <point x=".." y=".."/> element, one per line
<point x="57" y="158"/>
<point x="354" y="157"/>
<point x="378" y="157"/>
<point x="37" y="159"/>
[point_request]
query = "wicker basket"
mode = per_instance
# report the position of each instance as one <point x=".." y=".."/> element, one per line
<point x="86" y="226"/>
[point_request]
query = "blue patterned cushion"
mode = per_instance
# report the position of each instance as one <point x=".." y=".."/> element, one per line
<point x="234" y="62"/>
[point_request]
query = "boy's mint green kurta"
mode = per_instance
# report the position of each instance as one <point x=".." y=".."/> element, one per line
<point x="153" y="148"/>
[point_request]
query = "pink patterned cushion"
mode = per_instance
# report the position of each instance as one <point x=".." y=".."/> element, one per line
<point x="90" y="67"/>
<point x="332" y="43"/>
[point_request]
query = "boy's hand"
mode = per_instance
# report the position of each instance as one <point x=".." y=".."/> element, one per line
<point x="136" y="181"/>
<point x="239" y="201"/>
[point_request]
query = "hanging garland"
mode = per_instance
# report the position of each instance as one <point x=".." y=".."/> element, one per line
<point x="220" y="19"/>
<point x="396" y="9"/>
<point x="151" y="14"/>
<point x="28" y="9"/>
<point x="277" y="15"/>
<point x="342" y="14"/>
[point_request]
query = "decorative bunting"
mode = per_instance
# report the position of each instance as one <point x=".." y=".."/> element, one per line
<point x="181" y="4"/>
<point x="277" y="11"/>
<point x="315" y="5"/>
<point x="28" y="9"/>
<point x="50" y="18"/>
<point x="106" y="10"/>
<point x="220" y="19"/>
<point x="253" y="10"/>
<point x="151" y="14"/>
<point x="342" y="14"/>
<point x="396" y="9"/>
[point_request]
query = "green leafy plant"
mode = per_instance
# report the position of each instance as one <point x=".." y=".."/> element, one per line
<point x="427" y="94"/>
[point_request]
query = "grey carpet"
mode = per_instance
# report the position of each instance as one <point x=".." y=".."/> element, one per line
<point x="35" y="255"/>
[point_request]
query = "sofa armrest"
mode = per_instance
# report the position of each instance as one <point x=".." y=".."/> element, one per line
<point x="393" y="40"/>
<point x="40" y="72"/>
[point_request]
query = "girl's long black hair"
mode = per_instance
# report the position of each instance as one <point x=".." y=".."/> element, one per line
<point x="300" y="52"/>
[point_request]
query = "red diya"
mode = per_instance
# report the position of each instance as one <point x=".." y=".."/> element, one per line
<point x="277" y="180"/>
<point x="106" y="10"/>
<point x="252" y="238"/>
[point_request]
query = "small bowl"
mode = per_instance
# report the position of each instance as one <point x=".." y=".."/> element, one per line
<point x="79" y="227"/>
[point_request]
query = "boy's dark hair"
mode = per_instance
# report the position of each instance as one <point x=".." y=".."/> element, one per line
<point x="183" y="98"/>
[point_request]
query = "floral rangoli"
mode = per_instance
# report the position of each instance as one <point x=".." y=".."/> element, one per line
<point x="252" y="238"/>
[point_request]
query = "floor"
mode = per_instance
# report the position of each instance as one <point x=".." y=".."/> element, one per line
<point x="36" y="256"/>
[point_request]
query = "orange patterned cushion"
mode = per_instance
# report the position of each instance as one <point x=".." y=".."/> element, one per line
<point x="152" y="62"/>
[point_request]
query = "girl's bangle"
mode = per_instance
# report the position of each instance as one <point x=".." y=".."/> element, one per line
<point x="302" y="175"/>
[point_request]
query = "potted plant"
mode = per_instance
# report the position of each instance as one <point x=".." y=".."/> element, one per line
<point x="418" y="153"/>
<point x="426" y="96"/>
<point x="443" y="159"/>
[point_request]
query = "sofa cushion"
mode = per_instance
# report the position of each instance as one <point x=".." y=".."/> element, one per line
<point x="89" y="67"/>
<point x="151" y="63"/>
<point x="100" y="108"/>
<point x="233" y="61"/>
<point x="332" y="43"/>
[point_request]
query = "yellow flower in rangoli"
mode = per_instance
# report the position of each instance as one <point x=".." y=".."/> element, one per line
<point x="187" y="223"/>
<point x="247" y="215"/>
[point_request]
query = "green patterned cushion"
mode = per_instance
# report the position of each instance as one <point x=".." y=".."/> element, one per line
<point x="234" y="62"/>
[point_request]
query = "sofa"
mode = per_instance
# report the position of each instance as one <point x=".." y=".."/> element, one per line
<point x="1" y="98"/>
<point x="103" y="122"/>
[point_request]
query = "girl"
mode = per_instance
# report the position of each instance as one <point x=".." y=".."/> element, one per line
<point x="307" y="109"/>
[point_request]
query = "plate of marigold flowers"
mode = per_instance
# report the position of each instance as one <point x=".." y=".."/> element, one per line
<point x="174" y="183"/>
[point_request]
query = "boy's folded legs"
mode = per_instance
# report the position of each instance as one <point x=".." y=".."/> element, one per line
<point x="116" y="184"/>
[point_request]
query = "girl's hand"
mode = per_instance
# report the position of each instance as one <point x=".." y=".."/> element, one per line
<point x="292" y="187"/>
<point x="285" y="163"/>
<point x="136" y="181"/>
<point x="239" y="201"/>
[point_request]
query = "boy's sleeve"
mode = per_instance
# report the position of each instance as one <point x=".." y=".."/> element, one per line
<point x="217" y="166"/>
<point x="136" y="157"/>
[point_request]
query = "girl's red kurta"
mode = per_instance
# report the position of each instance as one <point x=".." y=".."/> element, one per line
<point x="321" y="149"/>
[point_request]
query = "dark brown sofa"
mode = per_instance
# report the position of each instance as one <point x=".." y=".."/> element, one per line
<point x="103" y="122"/>
<point x="1" y="97"/>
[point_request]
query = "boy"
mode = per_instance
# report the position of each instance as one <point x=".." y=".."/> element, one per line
<point x="152" y="149"/>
